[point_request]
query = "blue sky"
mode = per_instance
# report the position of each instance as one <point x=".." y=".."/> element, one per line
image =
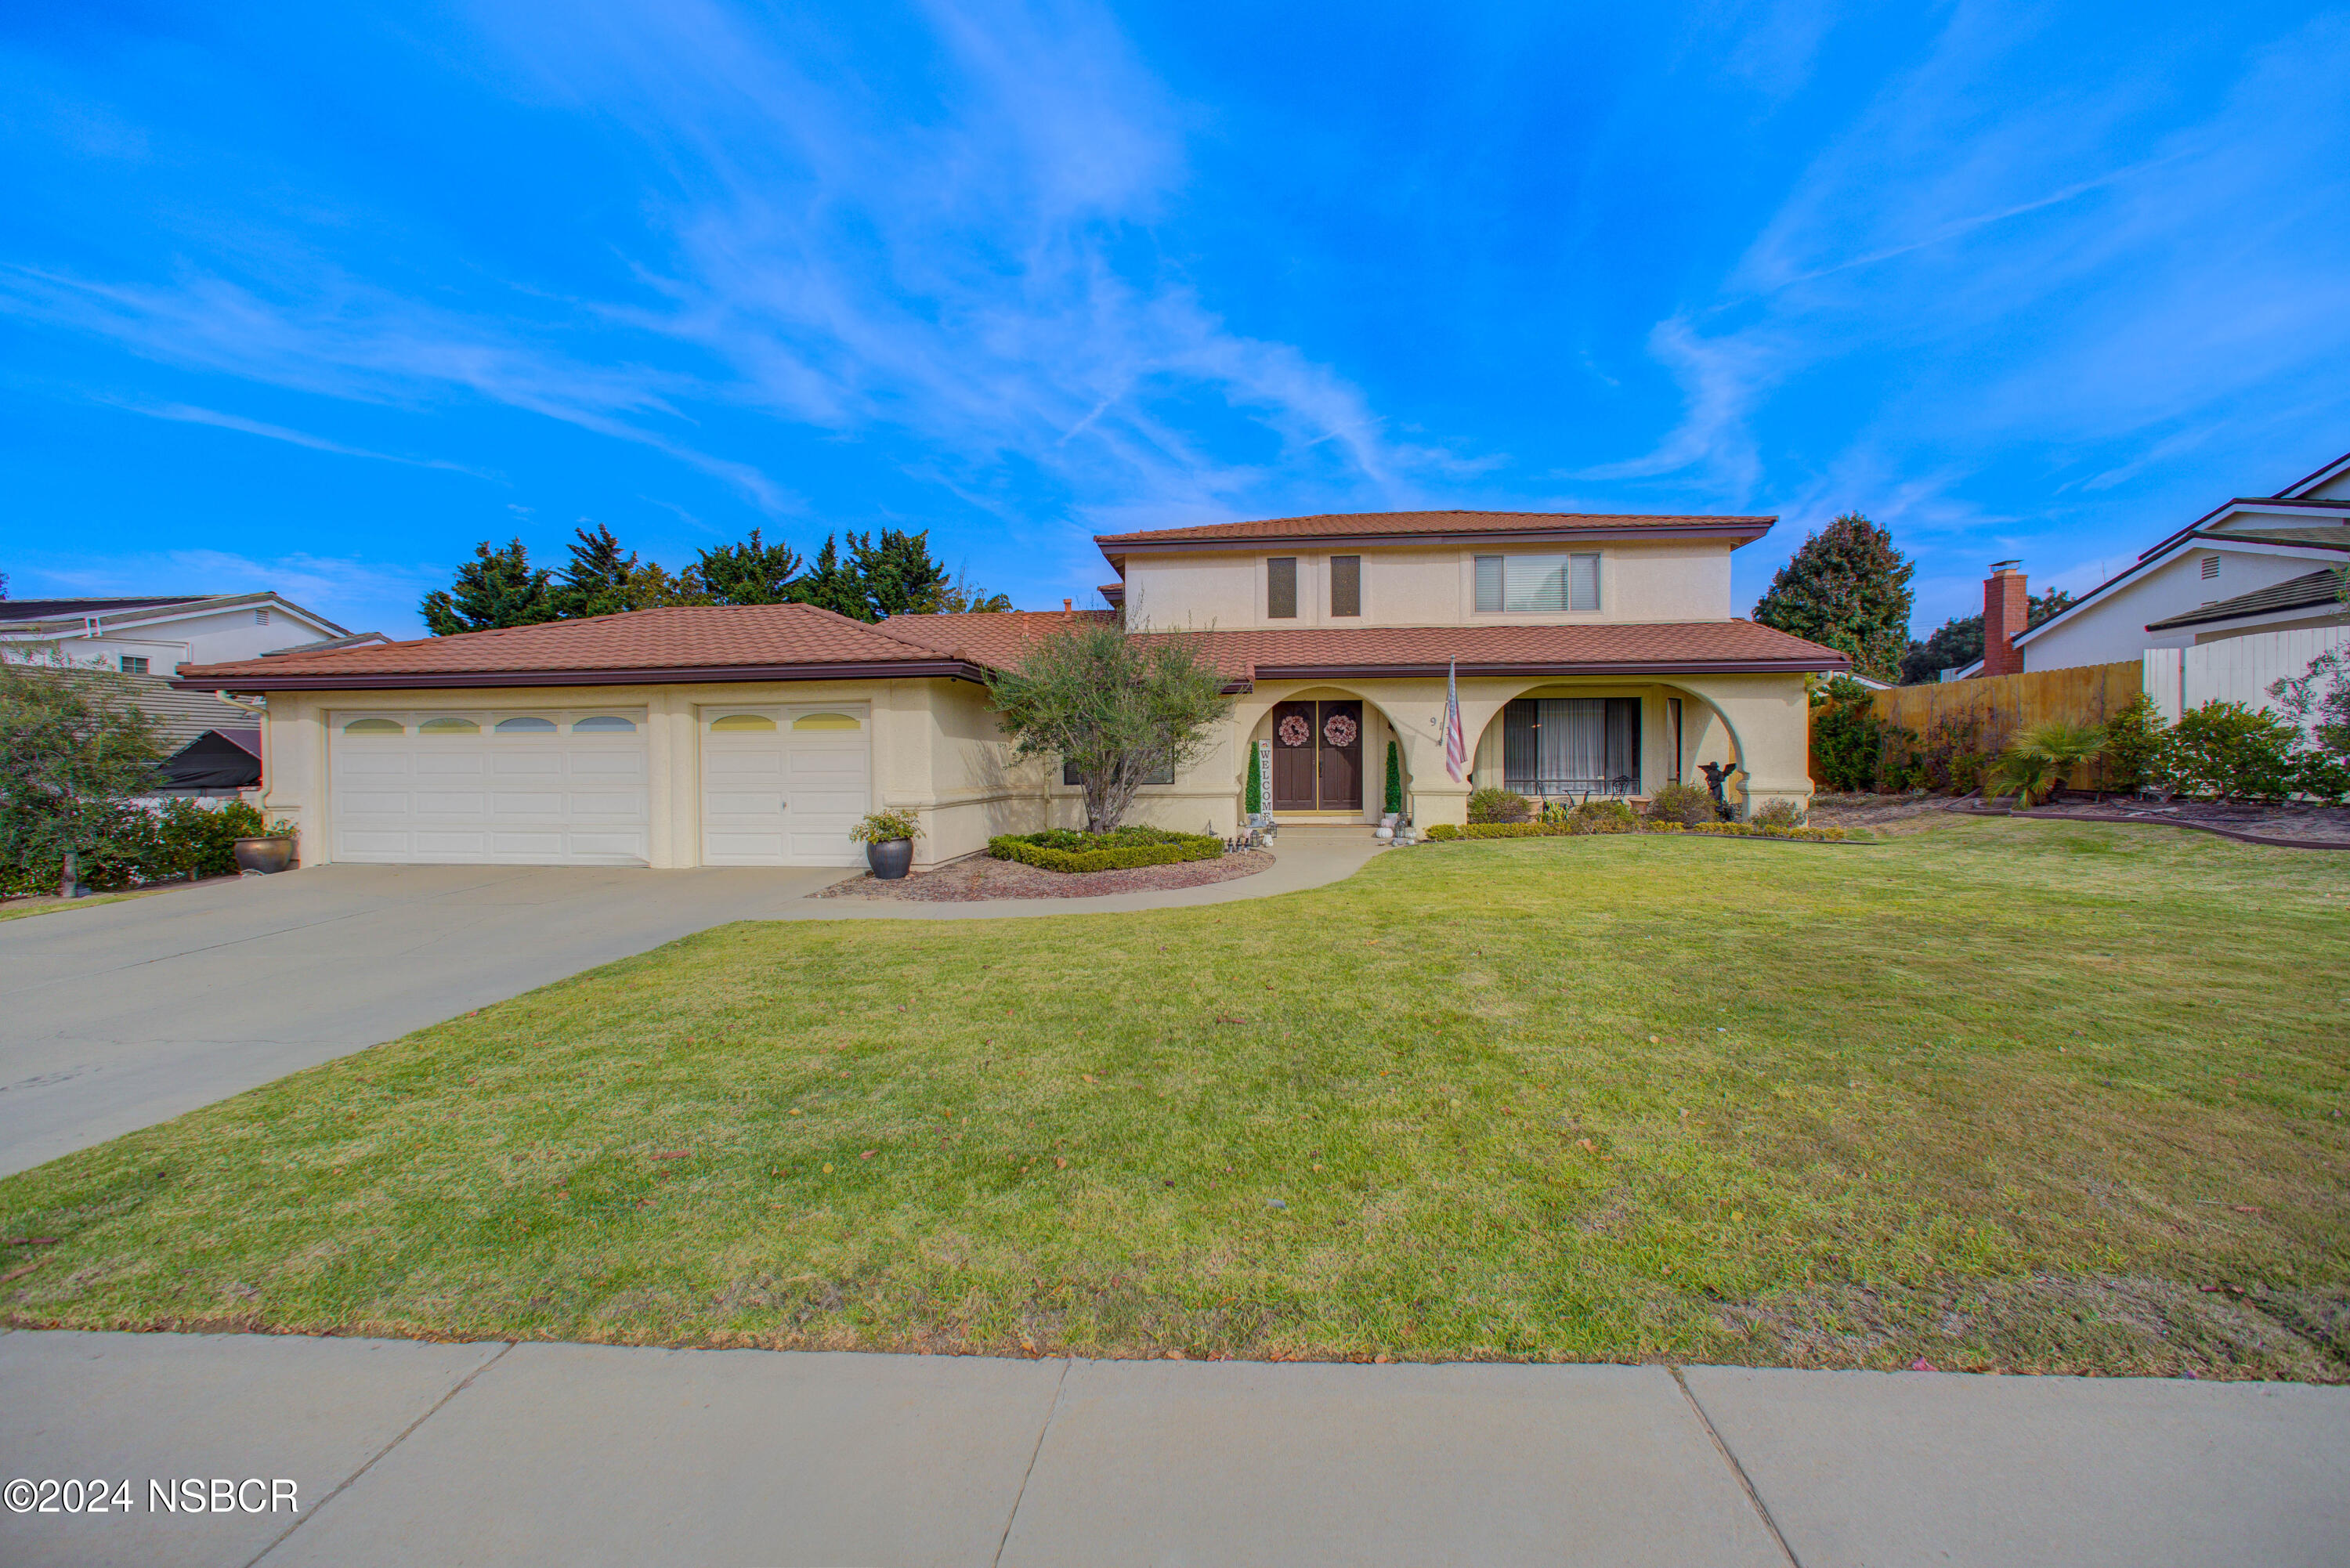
<point x="317" y="305"/>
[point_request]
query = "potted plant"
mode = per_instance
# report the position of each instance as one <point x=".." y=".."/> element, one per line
<point x="888" y="840"/>
<point x="1392" y="805"/>
<point x="267" y="853"/>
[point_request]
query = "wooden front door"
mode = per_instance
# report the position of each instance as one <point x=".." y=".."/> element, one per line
<point x="1317" y="756"/>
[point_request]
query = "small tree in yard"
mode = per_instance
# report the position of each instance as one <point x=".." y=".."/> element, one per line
<point x="75" y="747"/>
<point x="1116" y="708"/>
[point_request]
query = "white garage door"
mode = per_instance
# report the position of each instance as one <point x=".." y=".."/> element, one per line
<point x="542" y="788"/>
<point x="783" y="786"/>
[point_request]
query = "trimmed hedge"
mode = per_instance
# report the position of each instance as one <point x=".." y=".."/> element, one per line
<point x="179" y="840"/>
<point x="1059" y="849"/>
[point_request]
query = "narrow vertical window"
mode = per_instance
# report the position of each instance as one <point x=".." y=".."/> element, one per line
<point x="1346" y="585"/>
<point x="1488" y="583"/>
<point x="1583" y="582"/>
<point x="1280" y="587"/>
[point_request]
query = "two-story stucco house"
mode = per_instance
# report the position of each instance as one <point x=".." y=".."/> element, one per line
<point x="156" y="634"/>
<point x="1594" y="655"/>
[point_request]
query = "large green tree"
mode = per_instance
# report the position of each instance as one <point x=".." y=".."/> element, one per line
<point x="495" y="588"/>
<point x="1116" y="708"/>
<point x="1848" y="588"/>
<point x="74" y="747"/>
<point x="900" y="574"/>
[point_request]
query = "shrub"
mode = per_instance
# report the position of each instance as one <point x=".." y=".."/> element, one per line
<point x="133" y="845"/>
<point x="1493" y="803"/>
<point x="884" y="827"/>
<point x="2137" y="747"/>
<point x="1682" y="802"/>
<point x="1772" y="830"/>
<point x="1602" y="816"/>
<point x="1392" y="802"/>
<point x="1847" y="737"/>
<point x="1779" y="813"/>
<point x="1059" y="849"/>
<point x="2236" y="752"/>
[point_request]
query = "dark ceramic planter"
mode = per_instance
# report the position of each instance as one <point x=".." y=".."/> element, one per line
<point x="264" y="855"/>
<point x="892" y="858"/>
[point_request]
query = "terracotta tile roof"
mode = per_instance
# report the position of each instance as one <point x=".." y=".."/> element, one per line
<point x="1326" y="526"/>
<point x="1258" y="653"/>
<point x="777" y="642"/>
<point x="674" y="643"/>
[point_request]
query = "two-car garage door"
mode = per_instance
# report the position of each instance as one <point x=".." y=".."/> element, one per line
<point x="780" y="786"/>
<point x="548" y="788"/>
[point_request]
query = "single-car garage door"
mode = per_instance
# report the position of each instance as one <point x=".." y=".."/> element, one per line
<point x="542" y="788"/>
<point x="783" y="786"/>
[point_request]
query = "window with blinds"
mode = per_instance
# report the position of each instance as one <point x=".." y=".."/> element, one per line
<point x="1536" y="583"/>
<point x="1280" y="587"/>
<point x="1346" y="585"/>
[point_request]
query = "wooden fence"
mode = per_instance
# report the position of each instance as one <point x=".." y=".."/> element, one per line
<point x="2006" y="704"/>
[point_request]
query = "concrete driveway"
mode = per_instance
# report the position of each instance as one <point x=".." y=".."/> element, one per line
<point x="122" y="1015"/>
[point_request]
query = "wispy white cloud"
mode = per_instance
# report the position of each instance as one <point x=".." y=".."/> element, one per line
<point x="185" y="413"/>
<point x="1723" y="380"/>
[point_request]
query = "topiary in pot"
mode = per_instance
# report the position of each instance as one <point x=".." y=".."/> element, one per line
<point x="1394" y="804"/>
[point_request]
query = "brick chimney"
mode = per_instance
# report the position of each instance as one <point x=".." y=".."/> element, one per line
<point x="2006" y="607"/>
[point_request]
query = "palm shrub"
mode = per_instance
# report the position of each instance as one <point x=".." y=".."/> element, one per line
<point x="2038" y="762"/>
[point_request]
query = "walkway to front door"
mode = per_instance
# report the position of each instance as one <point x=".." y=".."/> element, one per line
<point x="1317" y="756"/>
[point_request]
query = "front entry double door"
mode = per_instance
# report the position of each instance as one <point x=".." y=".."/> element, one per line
<point x="1317" y="756"/>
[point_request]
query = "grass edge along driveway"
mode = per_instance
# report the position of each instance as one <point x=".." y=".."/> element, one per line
<point x="1998" y="1095"/>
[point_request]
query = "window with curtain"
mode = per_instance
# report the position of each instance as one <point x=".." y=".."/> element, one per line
<point x="1523" y="583"/>
<point x="1346" y="585"/>
<point x="1571" y="745"/>
<point x="1280" y="587"/>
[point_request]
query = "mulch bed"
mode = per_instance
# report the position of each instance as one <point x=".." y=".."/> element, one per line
<point x="2286" y="825"/>
<point x="978" y="878"/>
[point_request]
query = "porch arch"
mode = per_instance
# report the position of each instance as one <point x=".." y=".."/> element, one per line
<point x="1654" y="771"/>
<point x="1252" y="716"/>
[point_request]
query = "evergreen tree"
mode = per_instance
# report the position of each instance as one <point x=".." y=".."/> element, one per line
<point x="750" y="573"/>
<point x="832" y="584"/>
<point x="1847" y="589"/>
<point x="598" y="580"/>
<point x="898" y="574"/>
<point x="1393" y="803"/>
<point x="495" y="588"/>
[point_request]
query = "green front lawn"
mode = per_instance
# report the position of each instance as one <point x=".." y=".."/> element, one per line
<point x="2000" y="1094"/>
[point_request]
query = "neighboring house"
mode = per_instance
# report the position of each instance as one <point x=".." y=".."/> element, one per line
<point x="156" y="634"/>
<point x="1595" y="654"/>
<point x="2256" y="564"/>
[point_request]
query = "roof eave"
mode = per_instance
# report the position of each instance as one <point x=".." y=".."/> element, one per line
<point x="663" y="675"/>
<point x="1114" y="549"/>
<point x="1831" y="664"/>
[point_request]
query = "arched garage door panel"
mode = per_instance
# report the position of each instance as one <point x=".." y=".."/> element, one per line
<point x="545" y="788"/>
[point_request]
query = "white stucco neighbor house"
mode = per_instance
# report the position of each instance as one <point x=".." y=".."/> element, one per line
<point x="2254" y="564"/>
<point x="1596" y="654"/>
<point x="156" y="634"/>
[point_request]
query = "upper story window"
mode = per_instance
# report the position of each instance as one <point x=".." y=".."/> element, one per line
<point x="1346" y="585"/>
<point x="1280" y="587"/>
<point x="134" y="665"/>
<point x="1534" y="582"/>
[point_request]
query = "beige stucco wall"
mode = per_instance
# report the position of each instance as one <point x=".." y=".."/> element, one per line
<point x="937" y="750"/>
<point x="1665" y="580"/>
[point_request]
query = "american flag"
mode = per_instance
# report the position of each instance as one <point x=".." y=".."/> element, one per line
<point x="1456" y="745"/>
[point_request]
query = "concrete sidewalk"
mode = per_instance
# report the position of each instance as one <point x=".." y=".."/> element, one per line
<point x="405" y="1452"/>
